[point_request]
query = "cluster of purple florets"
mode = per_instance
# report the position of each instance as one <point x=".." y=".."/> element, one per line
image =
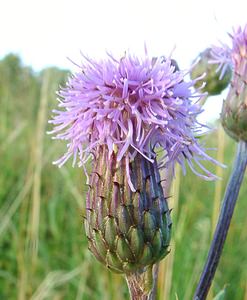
<point x="234" y="56"/>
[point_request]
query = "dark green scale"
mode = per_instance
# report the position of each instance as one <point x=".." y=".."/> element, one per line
<point x="126" y="230"/>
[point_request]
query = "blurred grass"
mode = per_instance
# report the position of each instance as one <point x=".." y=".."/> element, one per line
<point x="43" y="249"/>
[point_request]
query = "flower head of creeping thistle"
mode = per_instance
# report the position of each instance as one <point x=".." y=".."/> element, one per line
<point x="234" y="56"/>
<point x="234" y="110"/>
<point x="131" y="105"/>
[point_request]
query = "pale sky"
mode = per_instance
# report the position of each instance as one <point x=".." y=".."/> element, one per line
<point x="45" y="32"/>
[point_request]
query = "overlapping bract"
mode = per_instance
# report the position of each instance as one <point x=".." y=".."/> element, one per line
<point x="126" y="230"/>
<point x="131" y="105"/>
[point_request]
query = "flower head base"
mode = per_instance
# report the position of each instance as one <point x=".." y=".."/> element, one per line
<point x="234" y="111"/>
<point x="131" y="105"/>
<point x="127" y="231"/>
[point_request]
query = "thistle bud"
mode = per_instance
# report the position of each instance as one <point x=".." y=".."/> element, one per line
<point x="118" y="113"/>
<point x="234" y="110"/>
<point x="214" y="84"/>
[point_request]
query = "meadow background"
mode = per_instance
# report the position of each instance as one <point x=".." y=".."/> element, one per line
<point x="43" y="248"/>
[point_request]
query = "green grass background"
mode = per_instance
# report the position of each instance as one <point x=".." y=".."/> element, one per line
<point x="43" y="249"/>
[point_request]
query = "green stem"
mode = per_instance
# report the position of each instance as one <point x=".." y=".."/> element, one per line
<point x="224" y="220"/>
<point x="142" y="285"/>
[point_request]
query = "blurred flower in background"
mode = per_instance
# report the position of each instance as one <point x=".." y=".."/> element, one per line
<point x="215" y="82"/>
<point x="234" y="110"/>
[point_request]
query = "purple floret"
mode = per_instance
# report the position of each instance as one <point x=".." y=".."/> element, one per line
<point x="234" y="56"/>
<point x="132" y="105"/>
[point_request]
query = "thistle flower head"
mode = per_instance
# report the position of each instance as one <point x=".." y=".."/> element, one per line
<point x="131" y="105"/>
<point x="234" y="111"/>
<point x="234" y="56"/>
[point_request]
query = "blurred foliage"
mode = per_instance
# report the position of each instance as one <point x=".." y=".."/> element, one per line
<point x="220" y="295"/>
<point x="43" y="248"/>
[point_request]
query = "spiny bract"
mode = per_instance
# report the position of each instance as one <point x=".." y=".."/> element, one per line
<point x="126" y="230"/>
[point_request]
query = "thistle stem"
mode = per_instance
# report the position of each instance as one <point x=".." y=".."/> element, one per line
<point x="143" y="285"/>
<point x="224" y="220"/>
